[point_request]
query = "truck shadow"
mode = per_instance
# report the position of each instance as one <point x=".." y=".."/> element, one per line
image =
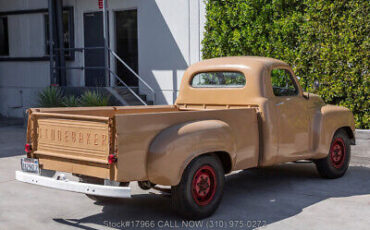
<point x="267" y="195"/>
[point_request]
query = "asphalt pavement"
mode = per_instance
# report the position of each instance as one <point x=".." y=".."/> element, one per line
<point x="288" y="196"/>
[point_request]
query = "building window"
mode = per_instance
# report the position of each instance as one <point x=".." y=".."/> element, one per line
<point x="68" y="33"/>
<point x="4" y="40"/>
<point x="218" y="80"/>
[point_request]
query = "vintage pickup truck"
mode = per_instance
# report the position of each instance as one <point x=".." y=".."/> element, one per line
<point x="231" y="114"/>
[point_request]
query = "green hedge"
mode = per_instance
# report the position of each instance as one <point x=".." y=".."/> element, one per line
<point x="320" y="39"/>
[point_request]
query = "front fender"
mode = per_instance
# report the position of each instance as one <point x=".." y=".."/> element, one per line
<point x="332" y="119"/>
<point x="172" y="149"/>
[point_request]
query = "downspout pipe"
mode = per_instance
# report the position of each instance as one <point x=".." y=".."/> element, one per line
<point x="106" y="43"/>
<point x="60" y="38"/>
<point x="53" y="79"/>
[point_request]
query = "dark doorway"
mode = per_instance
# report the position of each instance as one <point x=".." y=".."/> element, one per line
<point x="94" y="37"/>
<point x="127" y="45"/>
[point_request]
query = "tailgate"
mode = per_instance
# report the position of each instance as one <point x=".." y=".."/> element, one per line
<point x="72" y="143"/>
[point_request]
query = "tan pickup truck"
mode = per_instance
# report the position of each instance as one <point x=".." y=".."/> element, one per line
<point x="231" y="114"/>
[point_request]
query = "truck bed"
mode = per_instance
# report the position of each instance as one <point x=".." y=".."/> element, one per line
<point x="79" y="140"/>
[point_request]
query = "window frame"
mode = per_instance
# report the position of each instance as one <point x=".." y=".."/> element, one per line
<point x="218" y="71"/>
<point x="6" y="35"/>
<point x="44" y="57"/>
<point x="71" y="54"/>
<point x="291" y="78"/>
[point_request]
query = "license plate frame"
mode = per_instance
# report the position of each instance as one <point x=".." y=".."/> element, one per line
<point x="30" y="165"/>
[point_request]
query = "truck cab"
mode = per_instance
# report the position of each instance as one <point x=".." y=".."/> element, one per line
<point x="293" y="124"/>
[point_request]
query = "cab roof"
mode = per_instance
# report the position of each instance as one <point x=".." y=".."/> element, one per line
<point x="253" y="68"/>
<point x="246" y="61"/>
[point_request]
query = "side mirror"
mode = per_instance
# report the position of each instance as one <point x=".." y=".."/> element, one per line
<point x="316" y="84"/>
<point x="306" y="95"/>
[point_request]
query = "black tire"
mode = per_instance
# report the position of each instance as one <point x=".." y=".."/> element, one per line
<point x="193" y="200"/>
<point x="334" y="166"/>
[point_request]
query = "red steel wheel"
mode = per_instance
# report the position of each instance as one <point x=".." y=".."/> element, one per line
<point x="201" y="187"/>
<point x="336" y="163"/>
<point x="204" y="185"/>
<point x="338" y="152"/>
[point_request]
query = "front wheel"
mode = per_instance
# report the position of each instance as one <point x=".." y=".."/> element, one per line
<point x="200" y="190"/>
<point x="336" y="163"/>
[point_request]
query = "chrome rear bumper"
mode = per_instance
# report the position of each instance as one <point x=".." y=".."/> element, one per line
<point x="73" y="186"/>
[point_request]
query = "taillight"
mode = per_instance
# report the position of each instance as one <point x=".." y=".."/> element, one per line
<point x="112" y="159"/>
<point x="28" y="148"/>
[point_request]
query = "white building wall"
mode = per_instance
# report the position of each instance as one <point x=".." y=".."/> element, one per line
<point x="20" y="81"/>
<point x="170" y="34"/>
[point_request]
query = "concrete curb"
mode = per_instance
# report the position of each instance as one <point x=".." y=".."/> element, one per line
<point x="362" y="133"/>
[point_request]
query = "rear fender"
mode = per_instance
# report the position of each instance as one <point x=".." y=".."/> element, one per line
<point x="175" y="147"/>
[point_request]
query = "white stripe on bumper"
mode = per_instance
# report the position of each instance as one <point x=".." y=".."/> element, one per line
<point x="73" y="186"/>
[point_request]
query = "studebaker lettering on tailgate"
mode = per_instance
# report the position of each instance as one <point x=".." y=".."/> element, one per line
<point x="65" y="137"/>
<point x="231" y="113"/>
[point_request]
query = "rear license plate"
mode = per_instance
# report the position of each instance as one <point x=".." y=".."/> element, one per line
<point x="30" y="165"/>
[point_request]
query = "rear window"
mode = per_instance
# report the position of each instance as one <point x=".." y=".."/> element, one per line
<point x="218" y="80"/>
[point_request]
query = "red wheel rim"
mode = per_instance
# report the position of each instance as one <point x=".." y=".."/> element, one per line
<point x="204" y="185"/>
<point x="338" y="152"/>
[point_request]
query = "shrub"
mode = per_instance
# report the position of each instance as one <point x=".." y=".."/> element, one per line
<point x="71" y="101"/>
<point x="53" y="97"/>
<point x="92" y="98"/>
<point x="320" y="39"/>
<point x="50" y="97"/>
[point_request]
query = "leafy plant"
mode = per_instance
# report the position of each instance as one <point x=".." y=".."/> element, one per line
<point x="71" y="101"/>
<point x="320" y="39"/>
<point x="92" y="98"/>
<point x="50" y="97"/>
<point x="53" y="97"/>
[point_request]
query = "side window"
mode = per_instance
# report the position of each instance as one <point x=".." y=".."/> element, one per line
<point x="282" y="83"/>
